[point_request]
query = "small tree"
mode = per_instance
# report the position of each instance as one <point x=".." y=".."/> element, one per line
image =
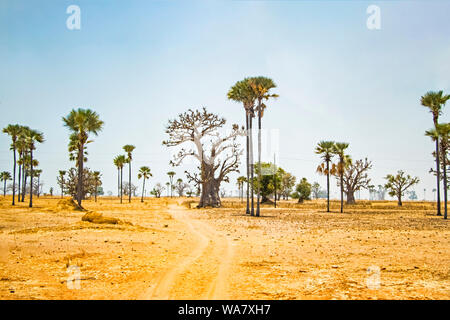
<point x="60" y="179"/>
<point x="302" y="191"/>
<point x="398" y="184"/>
<point x="157" y="190"/>
<point x="315" y="189"/>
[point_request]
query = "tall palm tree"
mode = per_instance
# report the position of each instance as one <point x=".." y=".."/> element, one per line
<point x="339" y="150"/>
<point x="261" y="87"/>
<point x="434" y="101"/>
<point x="121" y="160"/>
<point x="240" y="182"/>
<point x="21" y="148"/>
<point x="62" y="173"/>
<point x="82" y="122"/>
<point x="442" y="132"/>
<point x="5" y="176"/>
<point x="144" y="172"/>
<point x="117" y="164"/>
<point x="325" y="149"/>
<point x="33" y="137"/>
<point x="97" y="176"/>
<point x="168" y="185"/>
<point x="171" y="174"/>
<point x="13" y="130"/>
<point x="129" y="150"/>
<point x="242" y="92"/>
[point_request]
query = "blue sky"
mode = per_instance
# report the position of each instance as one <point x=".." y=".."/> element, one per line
<point x="139" y="63"/>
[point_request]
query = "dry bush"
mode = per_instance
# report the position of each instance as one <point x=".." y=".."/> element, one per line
<point x="96" y="217"/>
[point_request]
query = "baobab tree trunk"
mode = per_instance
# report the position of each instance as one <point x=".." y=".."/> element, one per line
<point x="248" y="160"/>
<point x="210" y="188"/>
<point x="351" y="197"/>
<point x="328" y="186"/>
<point x="438" y="177"/>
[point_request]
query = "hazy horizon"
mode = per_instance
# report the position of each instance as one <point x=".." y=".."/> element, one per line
<point x="141" y="63"/>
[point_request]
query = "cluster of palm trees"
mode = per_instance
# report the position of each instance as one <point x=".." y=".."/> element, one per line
<point x="5" y="176"/>
<point x="24" y="142"/>
<point x="440" y="133"/>
<point x="252" y="92"/>
<point x="327" y="150"/>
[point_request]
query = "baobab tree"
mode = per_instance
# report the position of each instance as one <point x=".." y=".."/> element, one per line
<point x="325" y="150"/>
<point x="398" y="184"/>
<point x="355" y="178"/>
<point x="434" y="101"/>
<point x="196" y="132"/>
<point x="81" y="123"/>
<point x="129" y="150"/>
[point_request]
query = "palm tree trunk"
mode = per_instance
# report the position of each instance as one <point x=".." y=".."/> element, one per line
<point x="121" y="184"/>
<point x="438" y="178"/>
<point x="80" y="174"/>
<point x="259" y="163"/>
<point x="129" y="185"/>
<point x="143" y="188"/>
<point x="118" y="182"/>
<point x="252" y="167"/>
<point x="31" y="178"/>
<point x="444" y="168"/>
<point x="328" y="186"/>
<point x="248" y="161"/>
<point x="39" y="181"/>
<point x="24" y="185"/>
<point x="14" y="176"/>
<point x="18" y="182"/>
<point x="342" y="191"/>
<point x="4" y="188"/>
<point x="95" y="194"/>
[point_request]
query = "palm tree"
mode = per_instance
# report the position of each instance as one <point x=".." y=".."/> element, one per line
<point x="117" y="164"/>
<point x="168" y="185"/>
<point x="242" y="92"/>
<point x="82" y="122"/>
<point x="97" y="176"/>
<point x="13" y="130"/>
<point x="33" y="136"/>
<point x="121" y="160"/>
<point x="434" y="101"/>
<point x="21" y="148"/>
<point x="339" y="150"/>
<point x="62" y="173"/>
<point x="261" y="87"/>
<point x="129" y="149"/>
<point x="240" y="182"/>
<point x="442" y="131"/>
<point x="325" y="149"/>
<point x="144" y="172"/>
<point x="5" y="176"/>
<point x="171" y="174"/>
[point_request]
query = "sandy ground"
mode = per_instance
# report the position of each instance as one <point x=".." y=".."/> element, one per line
<point x="373" y="251"/>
